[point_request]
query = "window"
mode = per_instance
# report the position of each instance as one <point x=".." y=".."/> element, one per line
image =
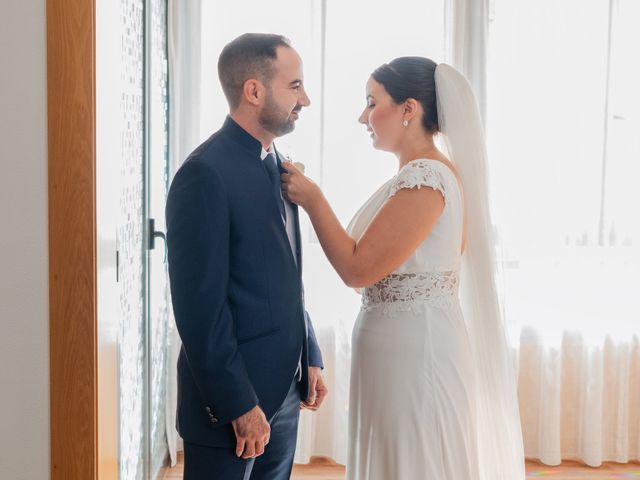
<point x="564" y="142"/>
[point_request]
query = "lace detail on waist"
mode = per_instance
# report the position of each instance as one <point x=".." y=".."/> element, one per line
<point x="403" y="290"/>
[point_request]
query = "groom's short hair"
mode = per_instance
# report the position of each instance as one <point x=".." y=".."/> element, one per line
<point x="249" y="56"/>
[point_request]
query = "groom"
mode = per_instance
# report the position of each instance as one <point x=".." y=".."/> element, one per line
<point x="249" y="357"/>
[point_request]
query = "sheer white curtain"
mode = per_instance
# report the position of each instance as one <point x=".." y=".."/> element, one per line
<point x="467" y="26"/>
<point x="564" y="142"/>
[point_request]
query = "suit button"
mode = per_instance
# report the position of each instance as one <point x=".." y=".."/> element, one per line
<point x="214" y="419"/>
<point x="207" y="409"/>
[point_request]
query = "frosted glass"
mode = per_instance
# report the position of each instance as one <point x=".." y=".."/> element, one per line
<point x="158" y="180"/>
<point x="130" y="241"/>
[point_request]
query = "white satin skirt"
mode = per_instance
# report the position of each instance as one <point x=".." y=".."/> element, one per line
<point x="411" y="407"/>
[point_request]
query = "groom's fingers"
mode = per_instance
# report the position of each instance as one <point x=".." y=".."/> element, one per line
<point x="322" y="393"/>
<point x="289" y="167"/>
<point x="240" y="447"/>
<point x="250" y="450"/>
<point x="309" y="406"/>
<point x="311" y="399"/>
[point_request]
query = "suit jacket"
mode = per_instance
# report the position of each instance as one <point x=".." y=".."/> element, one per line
<point x="237" y="294"/>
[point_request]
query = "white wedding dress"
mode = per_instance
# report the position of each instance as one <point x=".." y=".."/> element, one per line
<point x="412" y="398"/>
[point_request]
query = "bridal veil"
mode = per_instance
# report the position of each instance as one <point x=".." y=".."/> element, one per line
<point x="499" y="434"/>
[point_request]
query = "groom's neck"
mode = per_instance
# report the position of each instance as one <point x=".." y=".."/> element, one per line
<point x="248" y="120"/>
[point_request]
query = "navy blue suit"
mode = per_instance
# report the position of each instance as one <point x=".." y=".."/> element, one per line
<point x="237" y="294"/>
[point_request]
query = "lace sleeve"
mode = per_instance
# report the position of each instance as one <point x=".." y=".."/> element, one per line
<point x="419" y="173"/>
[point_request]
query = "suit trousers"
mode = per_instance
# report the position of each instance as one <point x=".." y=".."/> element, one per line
<point x="211" y="463"/>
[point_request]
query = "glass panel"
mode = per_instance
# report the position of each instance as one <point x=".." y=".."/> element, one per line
<point x="157" y="184"/>
<point x="621" y="226"/>
<point x="132" y="174"/>
<point x="131" y="241"/>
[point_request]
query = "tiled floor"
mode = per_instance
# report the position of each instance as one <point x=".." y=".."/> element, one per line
<point x="321" y="468"/>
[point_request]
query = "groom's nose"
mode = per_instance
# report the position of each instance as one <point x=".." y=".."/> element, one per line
<point x="304" y="98"/>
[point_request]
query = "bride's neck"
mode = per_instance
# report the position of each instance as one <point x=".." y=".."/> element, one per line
<point x="422" y="147"/>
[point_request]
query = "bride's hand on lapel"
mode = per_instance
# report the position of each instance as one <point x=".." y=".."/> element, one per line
<point x="296" y="187"/>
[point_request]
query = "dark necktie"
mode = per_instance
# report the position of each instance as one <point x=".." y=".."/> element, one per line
<point x="271" y="164"/>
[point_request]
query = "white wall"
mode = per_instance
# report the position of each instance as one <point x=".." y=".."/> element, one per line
<point x="24" y="351"/>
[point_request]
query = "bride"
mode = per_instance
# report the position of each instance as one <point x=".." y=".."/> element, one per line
<point x="433" y="391"/>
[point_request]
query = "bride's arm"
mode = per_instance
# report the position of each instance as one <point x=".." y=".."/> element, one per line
<point x="400" y="226"/>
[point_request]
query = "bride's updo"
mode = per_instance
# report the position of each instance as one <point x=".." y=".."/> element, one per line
<point x="412" y="77"/>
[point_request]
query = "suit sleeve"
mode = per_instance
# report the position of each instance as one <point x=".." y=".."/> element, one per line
<point x="315" y="355"/>
<point x="313" y="348"/>
<point x="198" y="231"/>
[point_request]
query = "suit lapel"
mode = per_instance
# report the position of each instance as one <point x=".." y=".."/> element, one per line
<point x="296" y="218"/>
<point x="297" y="232"/>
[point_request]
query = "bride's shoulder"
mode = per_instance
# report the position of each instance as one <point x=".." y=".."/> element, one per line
<point x="420" y="172"/>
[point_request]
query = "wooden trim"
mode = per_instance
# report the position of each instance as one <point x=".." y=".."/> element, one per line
<point x="72" y="238"/>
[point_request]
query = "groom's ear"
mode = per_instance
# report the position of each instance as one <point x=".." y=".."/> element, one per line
<point x="253" y="91"/>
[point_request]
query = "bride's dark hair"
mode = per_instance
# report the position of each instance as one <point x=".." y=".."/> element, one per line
<point x="412" y="77"/>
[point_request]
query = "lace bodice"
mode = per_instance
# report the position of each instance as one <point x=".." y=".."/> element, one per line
<point x="404" y="289"/>
<point x="430" y="274"/>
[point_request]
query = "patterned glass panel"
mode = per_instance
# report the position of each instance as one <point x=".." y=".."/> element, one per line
<point x="132" y="75"/>
<point x="131" y="242"/>
<point x="158" y="180"/>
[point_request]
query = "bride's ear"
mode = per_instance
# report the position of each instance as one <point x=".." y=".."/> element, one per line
<point x="411" y="107"/>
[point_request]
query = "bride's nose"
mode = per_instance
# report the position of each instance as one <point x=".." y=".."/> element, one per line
<point x="363" y="118"/>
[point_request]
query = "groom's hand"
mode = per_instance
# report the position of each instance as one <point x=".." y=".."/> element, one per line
<point x="252" y="433"/>
<point x="317" y="390"/>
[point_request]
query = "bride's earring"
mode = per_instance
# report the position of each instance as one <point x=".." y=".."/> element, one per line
<point x="405" y="123"/>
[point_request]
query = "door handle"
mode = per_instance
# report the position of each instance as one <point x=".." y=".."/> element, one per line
<point x="152" y="234"/>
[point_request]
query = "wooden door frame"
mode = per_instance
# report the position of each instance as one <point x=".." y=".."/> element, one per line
<point x="71" y="101"/>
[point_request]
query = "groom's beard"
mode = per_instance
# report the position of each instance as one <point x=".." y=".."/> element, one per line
<point x="276" y="120"/>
